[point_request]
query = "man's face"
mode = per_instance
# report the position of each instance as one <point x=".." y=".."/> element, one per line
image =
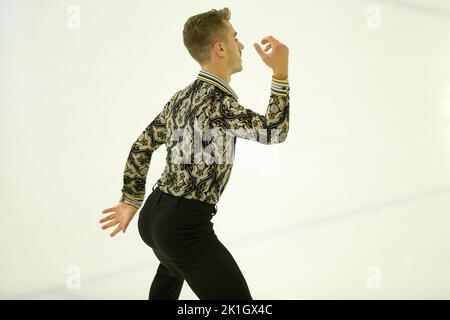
<point x="234" y="48"/>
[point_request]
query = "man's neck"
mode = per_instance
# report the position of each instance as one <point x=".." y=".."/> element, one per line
<point x="219" y="73"/>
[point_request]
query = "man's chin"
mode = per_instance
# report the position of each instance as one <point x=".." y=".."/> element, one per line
<point x="238" y="69"/>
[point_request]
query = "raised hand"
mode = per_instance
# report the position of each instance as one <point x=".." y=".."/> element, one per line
<point x="277" y="59"/>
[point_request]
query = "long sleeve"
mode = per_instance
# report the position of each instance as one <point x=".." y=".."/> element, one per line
<point x="244" y="123"/>
<point x="139" y="157"/>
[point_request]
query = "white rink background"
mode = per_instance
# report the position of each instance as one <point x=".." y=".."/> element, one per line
<point x="355" y="204"/>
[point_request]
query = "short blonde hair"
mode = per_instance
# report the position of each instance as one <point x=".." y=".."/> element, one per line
<point x="201" y="31"/>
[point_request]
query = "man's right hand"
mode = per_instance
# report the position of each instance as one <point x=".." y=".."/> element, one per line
<point x="277" y="59"/>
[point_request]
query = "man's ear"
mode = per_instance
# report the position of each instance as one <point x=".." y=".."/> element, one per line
<point x="218" y="49"/>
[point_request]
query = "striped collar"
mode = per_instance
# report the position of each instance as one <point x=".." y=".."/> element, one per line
<point x="215" y="80"/>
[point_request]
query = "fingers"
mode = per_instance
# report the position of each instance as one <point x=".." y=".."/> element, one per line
<point x="116" y="231"/>
<point x="110" y="224"/>
<point x="109" y="210"/>
<point x="259" y="50"/>
<point x="110" y="217"/>
<point x="120" y="218"/>
<point x="271" y="40"/>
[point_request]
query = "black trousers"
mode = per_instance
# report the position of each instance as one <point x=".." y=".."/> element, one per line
<point x="181" y="234"/>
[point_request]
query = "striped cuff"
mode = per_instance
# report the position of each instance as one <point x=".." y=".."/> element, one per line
<point x="134" y="202"/>
<point x="280" y="87"/>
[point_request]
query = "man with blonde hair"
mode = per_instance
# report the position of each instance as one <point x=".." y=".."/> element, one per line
<point x="175" y="220"/>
